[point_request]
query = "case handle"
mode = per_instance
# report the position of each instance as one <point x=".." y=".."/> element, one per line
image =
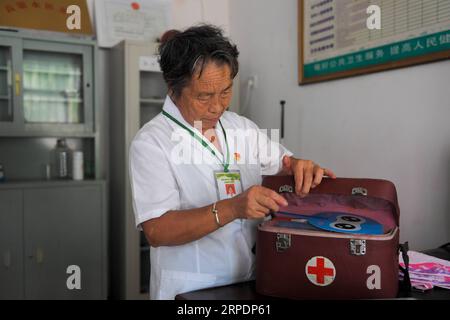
<point x="359" y="191"/>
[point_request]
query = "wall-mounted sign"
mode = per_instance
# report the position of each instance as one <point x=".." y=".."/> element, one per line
<point x="141" y="20"/>
<point x="69" y="16"/>
<point x="337" y="39"/>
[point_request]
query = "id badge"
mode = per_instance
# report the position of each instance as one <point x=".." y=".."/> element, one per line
<point x="229" y="184"/>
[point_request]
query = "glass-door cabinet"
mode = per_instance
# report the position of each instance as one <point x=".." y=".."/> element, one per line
<point x="9" y="83"/>
<point x="46" y="87"/>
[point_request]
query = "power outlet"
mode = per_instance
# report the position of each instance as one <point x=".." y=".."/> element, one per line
<point x="149" y="63"/>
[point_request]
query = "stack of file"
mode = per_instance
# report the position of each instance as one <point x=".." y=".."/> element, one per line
<point x="426" y="271"/>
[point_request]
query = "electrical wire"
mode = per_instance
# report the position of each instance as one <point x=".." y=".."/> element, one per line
<point x="248" y="96"/>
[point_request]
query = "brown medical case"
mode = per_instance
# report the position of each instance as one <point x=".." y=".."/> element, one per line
<point x="315" y="264"/>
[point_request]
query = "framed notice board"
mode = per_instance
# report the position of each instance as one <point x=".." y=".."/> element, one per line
<point x="335" y="42"/>
<point x="49" y="15"/>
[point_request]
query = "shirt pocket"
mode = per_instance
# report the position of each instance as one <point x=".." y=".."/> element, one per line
<point x="175" y="282"/>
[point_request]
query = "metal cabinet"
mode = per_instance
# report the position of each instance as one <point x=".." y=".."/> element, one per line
<point x="137" y="96"/>
<point x="46" y="86"/>
<point x="9" y="83"/>
<point x="49" y="227"/>
<point x="47" y="89"/>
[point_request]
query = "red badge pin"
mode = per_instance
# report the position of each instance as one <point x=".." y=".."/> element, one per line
<point x="135" y="5"/>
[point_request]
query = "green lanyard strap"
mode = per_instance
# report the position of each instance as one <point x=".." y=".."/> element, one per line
<point x="202" y="141"/>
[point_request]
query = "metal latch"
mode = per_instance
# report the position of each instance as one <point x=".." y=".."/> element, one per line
<point x="283" y="242"/>
<point x="286" y="188"/>
<point x="357" y="247"/>
<point x="359" y="191"/>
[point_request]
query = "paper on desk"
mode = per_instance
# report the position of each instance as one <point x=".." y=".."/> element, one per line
<point x="426" y="271"/>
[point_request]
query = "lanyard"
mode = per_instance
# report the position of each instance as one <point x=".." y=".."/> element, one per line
<point x="202" y="141"/>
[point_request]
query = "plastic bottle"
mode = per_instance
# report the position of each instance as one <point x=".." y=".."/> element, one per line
<point x="77" y="165"/>
<point x="62" y="153"/>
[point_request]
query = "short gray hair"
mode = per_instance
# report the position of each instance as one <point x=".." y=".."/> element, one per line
<point x="182" y="54"/>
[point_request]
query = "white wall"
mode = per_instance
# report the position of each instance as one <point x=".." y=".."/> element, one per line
<point x="190" y="12"/>
<point x="393" y="125"/>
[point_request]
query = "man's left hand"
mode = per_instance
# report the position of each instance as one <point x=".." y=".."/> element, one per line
<point x="307" y="174"/>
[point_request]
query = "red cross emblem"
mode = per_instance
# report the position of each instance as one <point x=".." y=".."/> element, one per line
<point x="320" y="271"/>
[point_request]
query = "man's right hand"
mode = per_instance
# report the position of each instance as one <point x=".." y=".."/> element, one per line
<point x="256" y="202"/>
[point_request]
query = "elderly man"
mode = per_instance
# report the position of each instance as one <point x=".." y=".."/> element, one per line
<point x="200" y="217"/>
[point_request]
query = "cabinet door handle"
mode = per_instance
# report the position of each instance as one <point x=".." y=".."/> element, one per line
<point x="10" y="102"/>
<point x="7" y="259"/>
<point x="39" y="255"/>
<point x="17" y="82"/>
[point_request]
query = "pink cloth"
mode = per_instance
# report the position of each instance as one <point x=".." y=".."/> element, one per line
<point x="426" y="271"/>
<point x="377" y="209"/>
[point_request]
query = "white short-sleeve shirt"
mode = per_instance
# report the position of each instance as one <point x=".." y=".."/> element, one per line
<point x="170" y="170"/>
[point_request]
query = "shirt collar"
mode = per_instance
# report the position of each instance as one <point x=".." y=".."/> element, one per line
<point x="170" y="107"/>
